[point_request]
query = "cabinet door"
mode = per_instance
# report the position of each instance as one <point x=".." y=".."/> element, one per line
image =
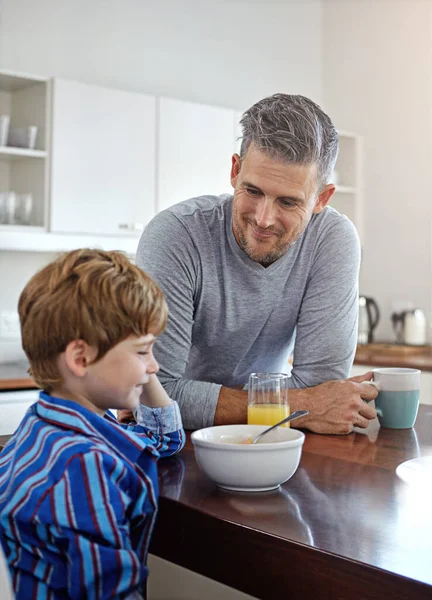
<point x="196" y="143"/>
<point x="103" y="159"/>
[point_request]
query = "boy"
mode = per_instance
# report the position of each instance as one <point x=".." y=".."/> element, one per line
<point x="78" y="491"/>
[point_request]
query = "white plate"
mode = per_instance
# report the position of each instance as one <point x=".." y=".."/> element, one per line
<point x="417" y="471"/>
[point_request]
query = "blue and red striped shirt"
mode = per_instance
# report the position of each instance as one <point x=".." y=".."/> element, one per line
<point x="78" y="499"/>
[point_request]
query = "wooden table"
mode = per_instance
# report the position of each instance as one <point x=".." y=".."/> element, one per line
<point x="345" y="526"/>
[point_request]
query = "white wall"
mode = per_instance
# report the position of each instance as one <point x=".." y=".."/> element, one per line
<point x="220" y="52"/>
<point x="377" y="78"/>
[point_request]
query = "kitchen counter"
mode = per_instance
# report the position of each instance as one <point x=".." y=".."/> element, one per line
<point x="344" y="526"/>
<point x="14" y="376"/>
<point x="394" y="355"/>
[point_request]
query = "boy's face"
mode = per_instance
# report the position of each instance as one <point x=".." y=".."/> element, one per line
<point x="116" y="380"/>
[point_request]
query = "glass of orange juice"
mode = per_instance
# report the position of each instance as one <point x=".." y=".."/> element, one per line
<point x="268" y="398"/>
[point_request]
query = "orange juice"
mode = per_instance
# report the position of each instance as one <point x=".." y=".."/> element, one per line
<point x="267" y="414"/>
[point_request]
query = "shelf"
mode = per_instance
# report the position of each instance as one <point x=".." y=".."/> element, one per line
<point x="35" y="239"/>
<point x="22" y="229"/>
<point x="12" y="82"/>
<point x="11" y="153"/>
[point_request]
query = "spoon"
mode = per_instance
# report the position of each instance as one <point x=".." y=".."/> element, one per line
<point x="295" y="415"/>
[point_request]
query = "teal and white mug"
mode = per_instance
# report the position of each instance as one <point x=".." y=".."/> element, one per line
<point x="398" y="396"/>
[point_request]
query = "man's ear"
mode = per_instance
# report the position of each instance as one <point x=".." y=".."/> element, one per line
<point x="235" y="169"/>
<point x="324" y="198"/>
<point x="77" y="356"/>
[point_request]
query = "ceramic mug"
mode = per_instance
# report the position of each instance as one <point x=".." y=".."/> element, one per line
<point x="398" y="396"/>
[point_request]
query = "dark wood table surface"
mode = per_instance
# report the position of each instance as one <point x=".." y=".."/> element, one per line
<point x="344" y="526"/>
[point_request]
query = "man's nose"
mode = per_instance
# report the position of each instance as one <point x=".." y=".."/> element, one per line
<point x="265" y="213"/>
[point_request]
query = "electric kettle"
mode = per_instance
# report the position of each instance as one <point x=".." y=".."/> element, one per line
<point x="369" y="316"/>
<point x="410" y="327"/>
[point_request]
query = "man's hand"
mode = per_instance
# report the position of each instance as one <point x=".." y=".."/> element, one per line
<point x="336" y="407"/>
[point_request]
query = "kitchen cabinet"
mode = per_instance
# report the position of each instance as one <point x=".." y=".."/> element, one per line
<point x="13" y="406"/>
<point x="103" y="159"/>
<point x="107" y="160"/>
<point x="195" y="146"/>
<point x="24" y="102"/>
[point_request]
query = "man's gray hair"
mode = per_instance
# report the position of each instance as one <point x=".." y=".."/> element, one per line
<point x="292" y="129"/>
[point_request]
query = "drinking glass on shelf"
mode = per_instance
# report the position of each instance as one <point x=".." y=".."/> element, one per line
<point x="8" y="208"/>
<point x="4" y="129"/>
<point x="24" y="209"/>
<point x="268" y="398"/>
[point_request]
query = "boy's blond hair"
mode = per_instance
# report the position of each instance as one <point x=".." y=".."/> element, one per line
<point x="92" y="295"/>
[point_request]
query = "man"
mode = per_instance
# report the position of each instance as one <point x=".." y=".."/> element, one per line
<point x="253" y="277"/>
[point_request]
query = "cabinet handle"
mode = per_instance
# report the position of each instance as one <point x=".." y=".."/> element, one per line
<point x="131" y="226"/>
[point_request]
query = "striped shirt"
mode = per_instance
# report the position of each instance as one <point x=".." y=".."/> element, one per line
<point x="78" y="499"/>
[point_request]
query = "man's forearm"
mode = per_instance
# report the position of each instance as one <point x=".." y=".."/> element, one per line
<point x="335" y="407"/>
<point x="232" y="406"/>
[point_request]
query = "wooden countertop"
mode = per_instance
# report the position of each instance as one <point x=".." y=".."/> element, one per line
<point x="14" y="376"/>
<point x="345" y="526"/>
<point x="393" y="355"/>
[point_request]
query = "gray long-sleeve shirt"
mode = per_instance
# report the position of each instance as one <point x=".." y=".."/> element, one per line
<point x="229" y="316"/>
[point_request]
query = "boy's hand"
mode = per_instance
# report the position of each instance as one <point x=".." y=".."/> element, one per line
<point x="125" y="416"/>
<point x="153" y="394"/>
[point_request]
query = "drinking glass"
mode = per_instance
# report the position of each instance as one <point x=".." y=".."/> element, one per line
<point x="268" y="398"/>
<point x="25" y="206"/>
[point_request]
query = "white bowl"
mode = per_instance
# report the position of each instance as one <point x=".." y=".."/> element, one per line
<point x="247" y="467"/>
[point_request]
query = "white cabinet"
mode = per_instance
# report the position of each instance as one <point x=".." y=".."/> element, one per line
<point x="103" y="159"/>
<point x="24" y="103"/>
<point x="13" y="406"/>
<point x="195" y="146"/>
<point x="348" y="196"/>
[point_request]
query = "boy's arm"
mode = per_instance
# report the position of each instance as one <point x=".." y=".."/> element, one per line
<point x="90" y="508"/>
<point x="158" y="418"/>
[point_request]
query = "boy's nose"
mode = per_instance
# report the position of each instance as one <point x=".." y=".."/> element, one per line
<point x="153" y="366"/>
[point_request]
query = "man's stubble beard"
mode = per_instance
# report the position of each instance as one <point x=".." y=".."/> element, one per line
<point x="270" y="257"/>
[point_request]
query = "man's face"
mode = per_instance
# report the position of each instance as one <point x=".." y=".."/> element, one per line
<point x="273" y="203"/>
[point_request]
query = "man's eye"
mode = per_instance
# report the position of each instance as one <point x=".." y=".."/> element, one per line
<point x="144" y="352"/>
<point x="288" y="203"/>
<point x="253" y="192"/>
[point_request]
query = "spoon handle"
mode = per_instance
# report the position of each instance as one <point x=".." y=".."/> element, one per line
<point x="295" y="415"/>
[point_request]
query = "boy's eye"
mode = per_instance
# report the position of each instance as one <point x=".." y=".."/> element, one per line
<point x="143" y="352"/>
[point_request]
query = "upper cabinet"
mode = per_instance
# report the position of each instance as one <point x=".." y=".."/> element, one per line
<point x="83" y="159"/>
<point x="103" y="159"/>
<point x="195" y="146"/>
<point x="24" y="151"/>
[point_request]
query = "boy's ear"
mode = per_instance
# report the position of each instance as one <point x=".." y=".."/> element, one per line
<point x="77" y="356"/>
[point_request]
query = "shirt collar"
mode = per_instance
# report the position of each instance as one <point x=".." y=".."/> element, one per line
<point x="70" y="415"/>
